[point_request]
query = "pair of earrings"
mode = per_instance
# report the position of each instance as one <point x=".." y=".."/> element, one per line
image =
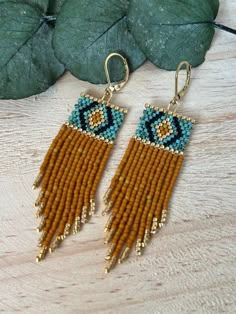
<point x="139" y="194"/>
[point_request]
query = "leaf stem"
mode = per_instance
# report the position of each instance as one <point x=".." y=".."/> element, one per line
<point x="224" y="28"/>
<point x="49" y="18"/>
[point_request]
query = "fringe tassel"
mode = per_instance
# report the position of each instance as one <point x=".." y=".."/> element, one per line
<point x="68" y="178"/>
<point x="138" y="198"/>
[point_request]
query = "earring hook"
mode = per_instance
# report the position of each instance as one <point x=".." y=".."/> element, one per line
<point x="180" y="94"/>
<point x="114" y="87"/>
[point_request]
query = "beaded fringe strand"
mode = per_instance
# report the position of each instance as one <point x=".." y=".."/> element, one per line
<point x="68" y="178"/>
<point x="138" y="198"/>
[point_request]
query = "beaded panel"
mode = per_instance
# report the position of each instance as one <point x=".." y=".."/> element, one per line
<point x="97" y="118"/>
<point x="164" y="128"/>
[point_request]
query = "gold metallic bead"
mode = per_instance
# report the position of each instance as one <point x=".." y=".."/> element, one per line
<point x="37" y="181"/>
<point x="111" y="264"/>
<point x="55" y="244"/>
<point x="42" y="224"/>
<point x="42" y="254"/>
<point x="154" y="225"/>
<point x="39" y="198"/>
<point x="76" y="227"/>
<point x="146" y="237"/>
<point x="109" y="236"/>
<point x="67" y="230"/>
<point x="107" y="209"/>
<point x="163" y="216"/>
<point x="124" y="255"/>
<point x="84" y="215"/>
<point x="42" y="238"/>
<point x="106" y="196"/>
<point x="138" y="248"/>
<point x="109" y="223"/>
<point x="110" y="251"/>
<point x="92" y="207"/>
<point x="39" y="212"/>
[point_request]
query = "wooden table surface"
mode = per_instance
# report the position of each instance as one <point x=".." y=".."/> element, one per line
<point x="190" y="265"/>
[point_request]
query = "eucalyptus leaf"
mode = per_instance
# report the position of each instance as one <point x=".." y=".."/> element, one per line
<point x="170" y="31"/>
<point x="27" y="64"/>
<point x="87" y="31"/>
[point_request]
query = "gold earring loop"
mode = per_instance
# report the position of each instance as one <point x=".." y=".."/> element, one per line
<point x="114" y="87"/>
<point x="180" y="94"/>
<point x="183" y="91"/>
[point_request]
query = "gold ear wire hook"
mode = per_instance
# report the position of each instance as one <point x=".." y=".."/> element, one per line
<point x="180" y="94"/>
<point x="114" y="87"/>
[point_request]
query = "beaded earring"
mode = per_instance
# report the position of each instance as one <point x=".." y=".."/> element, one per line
<point x="139" y="193"/>
<point x="74" y="163"/>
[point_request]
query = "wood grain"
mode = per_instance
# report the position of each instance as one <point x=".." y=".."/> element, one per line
<point x="190" y="266"/>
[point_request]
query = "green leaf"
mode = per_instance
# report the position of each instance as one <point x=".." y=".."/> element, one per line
<point x="170" y="31"/>
<point x="41" y="4"/>
<point x="215" y="7"/>
<point x="55" y="6"/>
<point x="27" y="64"/>
<point x="87" y="31"/>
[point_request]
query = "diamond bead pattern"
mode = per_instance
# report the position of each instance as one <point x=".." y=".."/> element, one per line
<point x="96" y="118"/>
<point x="164" y="128"/>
